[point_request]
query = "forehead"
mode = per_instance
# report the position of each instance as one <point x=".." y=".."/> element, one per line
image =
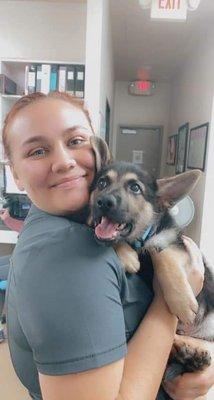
<point x="122" y="172"/>
<point x="123" y="177"/>
<point x="47" y="115"/>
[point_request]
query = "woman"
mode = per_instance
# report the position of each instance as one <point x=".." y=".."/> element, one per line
<point x="66" y="325"/>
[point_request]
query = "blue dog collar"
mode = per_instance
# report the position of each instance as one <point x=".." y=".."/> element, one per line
<point x="139" y="243"/>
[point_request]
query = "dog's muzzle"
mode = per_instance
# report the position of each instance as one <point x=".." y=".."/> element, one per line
<point x="110" y="222"/>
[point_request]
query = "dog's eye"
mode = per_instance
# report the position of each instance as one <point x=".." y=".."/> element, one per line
<point x="135" y="188"/>
<point x="102" y="183"/>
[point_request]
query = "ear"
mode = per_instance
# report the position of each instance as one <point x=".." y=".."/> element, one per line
<point x="173" y="189"/>
<point x="18" y="182"/>
<point x="101" y="151"/>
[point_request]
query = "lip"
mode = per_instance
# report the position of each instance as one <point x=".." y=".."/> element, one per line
<point x="68" y="183"/>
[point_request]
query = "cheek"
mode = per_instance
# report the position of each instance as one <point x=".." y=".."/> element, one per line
<point x="89" y="162"/>
<point x="34" y="175"/>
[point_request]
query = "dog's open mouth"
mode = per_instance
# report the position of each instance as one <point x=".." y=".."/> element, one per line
<point x="109" y="230"/>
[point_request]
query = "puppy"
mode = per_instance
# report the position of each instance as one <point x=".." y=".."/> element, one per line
<point x="130" y="208"/>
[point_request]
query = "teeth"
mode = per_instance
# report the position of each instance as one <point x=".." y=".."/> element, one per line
<point x="121" y="227"/>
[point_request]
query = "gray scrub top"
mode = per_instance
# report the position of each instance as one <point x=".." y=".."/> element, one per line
<point x="70" y="306"/>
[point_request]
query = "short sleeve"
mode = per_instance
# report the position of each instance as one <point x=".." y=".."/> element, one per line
<point x="68" y="300"/>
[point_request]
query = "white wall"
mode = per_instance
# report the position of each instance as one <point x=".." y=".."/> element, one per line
<point x="93" y="59"/>
<point x="191" y="101"/>
<point x="136" y="110"/>
<point x="107" y="69"/>
<point x="42" y="30"/>
<point x="99" y="62"/>
<point x="208" y="209"/>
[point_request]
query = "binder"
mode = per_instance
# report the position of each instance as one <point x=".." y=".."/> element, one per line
<point x="7" y="86"/>
<point x="80" y="81"/>
<point x="62" y="78"/>
<point x="46" y="78"/>
<point x="31" y="85"/>
<point x="54" y="78"/>
<point x="70" y="79"/>
<point x="38" y="78"/>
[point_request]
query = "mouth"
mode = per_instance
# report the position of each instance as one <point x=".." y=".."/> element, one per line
<point x="108" y="230"/>
<point x="69" y="182"/>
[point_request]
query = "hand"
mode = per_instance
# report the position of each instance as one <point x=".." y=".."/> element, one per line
<point x="4" y="214"/>
<point x="190" y="386"/>
<point x="195" y="274"/>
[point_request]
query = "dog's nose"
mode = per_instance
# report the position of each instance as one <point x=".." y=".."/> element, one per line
<point x="107" y="202"/>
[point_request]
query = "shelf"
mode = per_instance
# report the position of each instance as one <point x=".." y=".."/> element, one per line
<point x="11" y="96"/>
<point x="22" y="61"/>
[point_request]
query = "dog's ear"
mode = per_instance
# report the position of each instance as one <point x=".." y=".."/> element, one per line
<point x="101" y="151"/>
<point x="174" y="188"/>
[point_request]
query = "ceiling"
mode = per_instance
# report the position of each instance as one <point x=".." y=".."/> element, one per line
<point x="58" y="1"/>
<point x="148" y="49"/>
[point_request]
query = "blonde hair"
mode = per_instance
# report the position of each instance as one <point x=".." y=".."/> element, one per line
<point x="32" y="98"/>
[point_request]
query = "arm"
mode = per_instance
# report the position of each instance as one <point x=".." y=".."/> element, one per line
<point x="11" y="223"/>
<point x="192" y="385"/>
<point x="135" y="378"/>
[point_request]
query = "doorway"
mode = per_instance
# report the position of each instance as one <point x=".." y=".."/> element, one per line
<point x="141" y="145"/>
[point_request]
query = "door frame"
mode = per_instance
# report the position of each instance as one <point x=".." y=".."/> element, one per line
<point x="145" y="127"/>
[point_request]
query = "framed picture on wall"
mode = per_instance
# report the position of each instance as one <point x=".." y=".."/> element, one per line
<point x="182" y="148"/>
<point x="171" y="150"/>
<point x="198" y="147"/>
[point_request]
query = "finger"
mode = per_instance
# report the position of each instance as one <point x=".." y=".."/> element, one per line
<point x="188" y="385"/>
<point x="177" y="392"/>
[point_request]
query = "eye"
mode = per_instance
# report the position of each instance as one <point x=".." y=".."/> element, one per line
<point x="38" y="153"/>
<point x="102" y="183"/>
<point x="135" y="188"/>
<point x="76" y="141"/>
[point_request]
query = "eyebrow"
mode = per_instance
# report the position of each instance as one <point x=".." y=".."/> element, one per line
<point x="40" y="138"/>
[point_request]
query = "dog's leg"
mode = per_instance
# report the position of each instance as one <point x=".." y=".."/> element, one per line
<point x="176" y="289"/>
<point x="128" y="257"/>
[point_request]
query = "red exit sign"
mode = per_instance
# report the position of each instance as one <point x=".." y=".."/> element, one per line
<point x="169" y="4"/>
<point x="169" y="9"/>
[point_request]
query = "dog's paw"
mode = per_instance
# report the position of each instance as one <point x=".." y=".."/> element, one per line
<point x="192" y="358"/>
<point x="184" y="307"/>
<point x="128" y="257"/>
<point x="131" y="263"/>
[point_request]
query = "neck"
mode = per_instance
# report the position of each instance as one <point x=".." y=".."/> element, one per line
<point x="80" y="216"/>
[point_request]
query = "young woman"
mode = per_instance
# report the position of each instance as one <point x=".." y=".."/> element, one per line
<point x="71" y="308"/>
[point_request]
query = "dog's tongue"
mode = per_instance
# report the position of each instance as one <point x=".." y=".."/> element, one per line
<point x="106" y="229"/>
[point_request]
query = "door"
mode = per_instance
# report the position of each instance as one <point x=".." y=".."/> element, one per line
<point x="142" y="145"/>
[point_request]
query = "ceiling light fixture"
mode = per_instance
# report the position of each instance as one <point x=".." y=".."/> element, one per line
<point x="192" y="5"/>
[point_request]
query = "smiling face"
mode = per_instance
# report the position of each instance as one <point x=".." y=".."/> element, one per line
<point x="122" y="202"/>
<point x="51" y="155"/>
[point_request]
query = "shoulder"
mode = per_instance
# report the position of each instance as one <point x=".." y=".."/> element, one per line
<point x="49" y="244"/>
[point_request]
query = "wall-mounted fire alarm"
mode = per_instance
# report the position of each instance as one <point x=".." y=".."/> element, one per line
<point x="142" y="88"/>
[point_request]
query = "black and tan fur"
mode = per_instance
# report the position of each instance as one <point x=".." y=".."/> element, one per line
<point x="126" y="195"/>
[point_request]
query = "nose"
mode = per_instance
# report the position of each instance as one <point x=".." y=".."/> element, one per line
<point x="63" y="160"/>
<point x="107" y="202"/>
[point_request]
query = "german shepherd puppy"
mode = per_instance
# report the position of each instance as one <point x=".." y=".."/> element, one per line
<point x="129" y="207"/>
